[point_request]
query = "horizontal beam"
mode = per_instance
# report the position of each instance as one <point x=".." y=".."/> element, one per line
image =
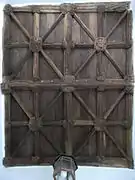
<point x="103" y="123"/>
<point x="80" y="7"/>
<point x="110" y="45"/>
<point x="75" y="123"/>
<point x="59" y="84"/>
<point x="81" y="161"/>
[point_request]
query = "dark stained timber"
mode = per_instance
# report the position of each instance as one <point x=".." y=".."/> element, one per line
<point x="68" y="84"/>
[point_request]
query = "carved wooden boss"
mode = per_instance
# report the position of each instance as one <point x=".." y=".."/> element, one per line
<point x="67" y="81"/>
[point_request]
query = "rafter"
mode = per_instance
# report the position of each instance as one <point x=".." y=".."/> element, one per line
<point x="46" y="138"/>
<point x="59" y="18"/>
<point x="116" y="143"/>
<point x="82" y="103"/>
<point x="21" y="143"/>
<point x="21" y="64"/>
<point x="117" y="24"/>
<point x="22" y="28"/>
<point x="52" y="65"/>
<point x="20" y="103"/>
<point x="84" y="143"/>
<point x="88" y="60"/>
<point x="54" y="100"/>
<point x="83" y="26"/>
<point x="113" y="106"/>
<point x="113" y="62"/>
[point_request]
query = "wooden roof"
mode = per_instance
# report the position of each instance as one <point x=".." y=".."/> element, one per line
<point x="67" y="81"/>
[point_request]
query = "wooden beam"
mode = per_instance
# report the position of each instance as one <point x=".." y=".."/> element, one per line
<point x="113" y="106"/>
<point x="120" y="45"/>
<point x="88" y="60"/>
<point x="36" y="133"/>
<point x="84" y="143"/>
<point x="79" y="84"/>
<point x="114" y="63"/>
<point x="118" y="146"/>
<point x="50" y="142"/>
<point x="81" y="161"/>
<point x="16" y="123"/>
<point x="129" y="97"/>
<point x="103" y="123"/>
<point x="53" y="101"/>
<point x="83" y="26"/>
<point x="21" y="63"/>
<point x="52" y="46"/>
<point x="100" y="135"/>
<point x="19" y="24"/>
<point x="21" y="143"/>
<point x="6" y="72"/>
<point x="6" y="52"/>
<point x="68" y="95"/>
<point x="82" y="103"/>
<point x="59" y="18"/>
<point x="10" y="45"/>
<point x="20" y="103"/>
<point x="81" y="7"/>
<point x="117" y="24"/>
<point x="7" y="129"/>
<point x="36" y="54"/>
<point x="52" y="65"/>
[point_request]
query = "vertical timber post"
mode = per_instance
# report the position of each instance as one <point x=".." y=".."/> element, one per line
<point x="6" y="77"/>
<point x="129" y="76"/>
<point x="36" y="77"/>
<point x="67" y="95"/>
<point x="100" y="135"/>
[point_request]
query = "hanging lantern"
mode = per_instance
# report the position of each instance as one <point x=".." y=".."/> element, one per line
<point x="64" y="168"/>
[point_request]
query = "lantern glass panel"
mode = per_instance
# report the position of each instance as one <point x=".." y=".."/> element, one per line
<point x="64" y="175"/>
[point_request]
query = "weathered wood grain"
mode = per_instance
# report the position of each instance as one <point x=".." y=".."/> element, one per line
<point x="68" y="81"/>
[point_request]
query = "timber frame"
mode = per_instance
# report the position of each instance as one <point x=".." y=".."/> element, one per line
<point x="68" y="84"/>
